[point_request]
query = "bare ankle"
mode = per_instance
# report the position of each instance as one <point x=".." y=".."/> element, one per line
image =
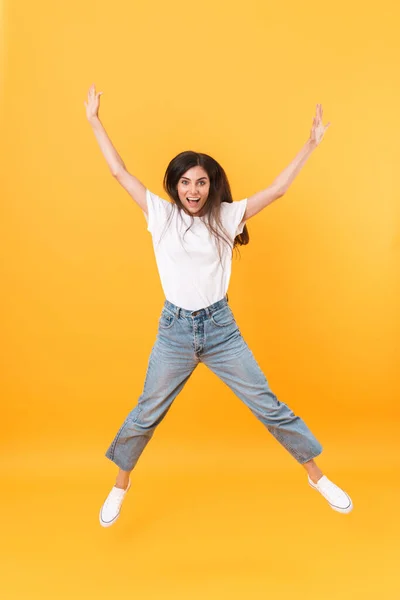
<point x="314" y="472"/>
<point x="122" y="480"/>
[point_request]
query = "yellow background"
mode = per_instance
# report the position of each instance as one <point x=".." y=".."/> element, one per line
<point x="217" y="508"/>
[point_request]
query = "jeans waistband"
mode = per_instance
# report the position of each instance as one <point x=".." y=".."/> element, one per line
<point x="202" y="312"/>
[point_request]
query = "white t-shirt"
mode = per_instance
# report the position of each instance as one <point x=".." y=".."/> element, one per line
<point x="190" y="269"/>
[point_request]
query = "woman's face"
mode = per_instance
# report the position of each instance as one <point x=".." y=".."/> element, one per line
<point x="193" y="188"/>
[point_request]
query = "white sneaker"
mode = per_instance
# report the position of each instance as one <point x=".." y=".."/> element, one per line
<point x="337" y="498"/>
<point x="111" y="508"/>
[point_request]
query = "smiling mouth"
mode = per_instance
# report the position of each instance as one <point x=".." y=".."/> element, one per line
<point x="193" y="200"/>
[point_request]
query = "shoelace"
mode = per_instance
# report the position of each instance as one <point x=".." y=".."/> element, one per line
<point x="332" y="490"/>
<point x="116" y="496"/>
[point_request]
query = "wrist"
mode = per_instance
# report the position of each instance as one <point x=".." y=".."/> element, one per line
<point x="311" y="144"/>
<point x="94" y="120"/>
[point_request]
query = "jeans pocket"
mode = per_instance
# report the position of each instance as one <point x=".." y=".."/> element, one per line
<point x="166" y="320"/>
<point x="223" y="317"/>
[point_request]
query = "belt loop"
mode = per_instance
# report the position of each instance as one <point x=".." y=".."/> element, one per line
<point x="177" y="312"/>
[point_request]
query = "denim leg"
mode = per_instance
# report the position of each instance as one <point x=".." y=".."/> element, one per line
<point x="170" y="366"/>
<point x="229" y="357"/>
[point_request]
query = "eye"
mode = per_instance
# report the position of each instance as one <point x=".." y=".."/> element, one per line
<point x="184" y="182"/>
<point x="203" y="182"/>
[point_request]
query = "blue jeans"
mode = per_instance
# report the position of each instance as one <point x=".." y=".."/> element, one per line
<point x="210" y="336"/>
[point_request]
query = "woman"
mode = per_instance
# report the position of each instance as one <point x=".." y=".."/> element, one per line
<point x="193" y="238"/>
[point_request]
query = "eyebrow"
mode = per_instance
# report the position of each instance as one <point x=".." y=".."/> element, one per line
<point x="188" y="178"/>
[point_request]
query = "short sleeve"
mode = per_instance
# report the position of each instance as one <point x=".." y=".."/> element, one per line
<point x="158" y="211"/>
<point x="233" y="213"/>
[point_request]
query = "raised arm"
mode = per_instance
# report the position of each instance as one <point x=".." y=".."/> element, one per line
<point x="130" y="183"/>
<point x="281" y="184"/>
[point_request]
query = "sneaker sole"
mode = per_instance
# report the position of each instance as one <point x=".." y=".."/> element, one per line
<point x="344" y="511"/>
<point x="104" y="523"/>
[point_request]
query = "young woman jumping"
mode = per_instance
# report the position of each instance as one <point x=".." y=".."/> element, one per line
<point x="193" y="239"/>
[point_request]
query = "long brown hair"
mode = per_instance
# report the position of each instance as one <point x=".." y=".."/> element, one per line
<point x="219" y="192"/>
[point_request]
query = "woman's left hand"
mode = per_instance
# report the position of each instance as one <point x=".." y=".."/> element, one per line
<point x="318" y="130"/>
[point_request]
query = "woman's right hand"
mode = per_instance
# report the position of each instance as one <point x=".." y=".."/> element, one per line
<point x="93" y="103"/>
